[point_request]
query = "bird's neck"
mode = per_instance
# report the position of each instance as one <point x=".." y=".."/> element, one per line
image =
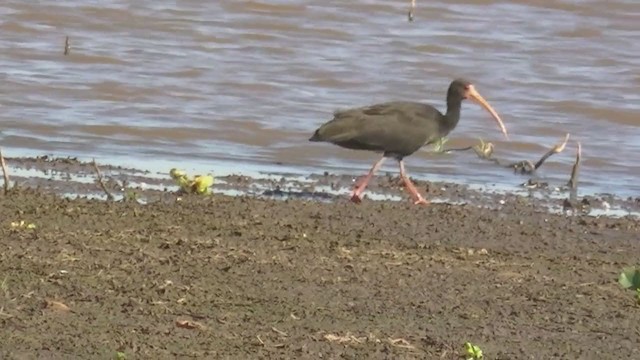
<point x="451" y="118"/>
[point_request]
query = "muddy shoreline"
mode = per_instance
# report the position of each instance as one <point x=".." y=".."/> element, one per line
<point x="301" y="273"/>
<point x="73" y="177"/>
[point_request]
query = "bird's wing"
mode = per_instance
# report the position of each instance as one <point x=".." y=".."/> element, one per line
<point x="396" y="127"/>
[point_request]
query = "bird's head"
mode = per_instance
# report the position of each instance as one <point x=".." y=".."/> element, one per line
<point x="463" y="89"/>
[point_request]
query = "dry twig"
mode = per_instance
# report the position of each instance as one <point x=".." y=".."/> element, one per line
<point x="67" y="46"/>
<point x="56" y="305"/>
<point x="4" y="314"/>
<point x="412" y="7"/>
<point x="527" y="167"/>
<point x="348" y="338"/>
<point x="573" y="181"/>
<point x="558" y="148"/>
<point x="401" y="343"/>
<point x="279" y="332"/>
<point x="191" y="325"/>
<point x="101" y="181"/>
<point x="484" y="150"/>
<point x="5" y="173"/>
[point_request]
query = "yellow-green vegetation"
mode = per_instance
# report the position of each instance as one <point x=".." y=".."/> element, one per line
<point x="199" y="184"/>
<point x="129" y="195"/>
<point x="119" y="356"/>
<point x="438" y="146"/>
<point x="473" y="352"/>
<point x="484" y="150"/>
<point x="4" y="287"/>
<point x="630" y="279"/>
<point x="22" y="225"/>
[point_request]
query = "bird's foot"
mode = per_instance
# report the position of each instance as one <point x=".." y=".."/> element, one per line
<point x="415" y="195"/>
<point x="360" y="182"/>
<point x="421" y="201"/>
<point x="355" y="198"/>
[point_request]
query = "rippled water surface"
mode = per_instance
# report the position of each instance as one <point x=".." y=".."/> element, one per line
<point x="249" y="81"/>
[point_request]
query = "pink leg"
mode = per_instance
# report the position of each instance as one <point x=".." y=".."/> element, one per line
<point x="356" y="196"/>
<point x="418" y="199"/>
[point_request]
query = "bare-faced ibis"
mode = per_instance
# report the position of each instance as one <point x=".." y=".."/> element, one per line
<point x="397" y="129"/>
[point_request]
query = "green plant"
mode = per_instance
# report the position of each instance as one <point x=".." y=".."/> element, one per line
<point x="119" y="355"/>
<point x="473" y="351"/>
<point x="484" y="150"/>
<point x="129" y="195"/>
<point x="4" y="286"/>
<point x="22" y="225"/>
<point x="200" y="184"/>
<point x="630" y="279"/>
<point x="438" y="146"/>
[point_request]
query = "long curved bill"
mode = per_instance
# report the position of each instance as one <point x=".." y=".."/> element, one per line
<point x="473" y="94"/>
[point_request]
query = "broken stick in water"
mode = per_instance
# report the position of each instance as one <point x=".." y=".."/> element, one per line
<point x="412" y="7"/>
<point x="101" y="181"/>
<point x="554" y="150"/>
<point x="573" y="181"/>
<point x="527" y="167"/>
<point x="67" y="47"/>
<point x="572" y="202"/>
<point x="484" y="150"/>
<point x="5" y="173"/>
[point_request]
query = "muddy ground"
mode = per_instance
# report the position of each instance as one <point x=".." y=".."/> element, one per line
<point x="249" y="277"/>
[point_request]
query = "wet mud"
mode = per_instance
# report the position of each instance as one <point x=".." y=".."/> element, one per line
<point x="275" y="275"/>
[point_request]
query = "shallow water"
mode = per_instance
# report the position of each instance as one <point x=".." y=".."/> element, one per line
<point x="247" y="82"/>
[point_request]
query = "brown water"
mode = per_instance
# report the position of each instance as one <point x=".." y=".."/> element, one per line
<point x="232" y="84"/>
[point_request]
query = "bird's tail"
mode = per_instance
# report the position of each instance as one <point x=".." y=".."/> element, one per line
<point x="316" y="136"/>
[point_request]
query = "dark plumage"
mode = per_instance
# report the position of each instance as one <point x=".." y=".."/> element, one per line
<point x="398" y="129"/>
